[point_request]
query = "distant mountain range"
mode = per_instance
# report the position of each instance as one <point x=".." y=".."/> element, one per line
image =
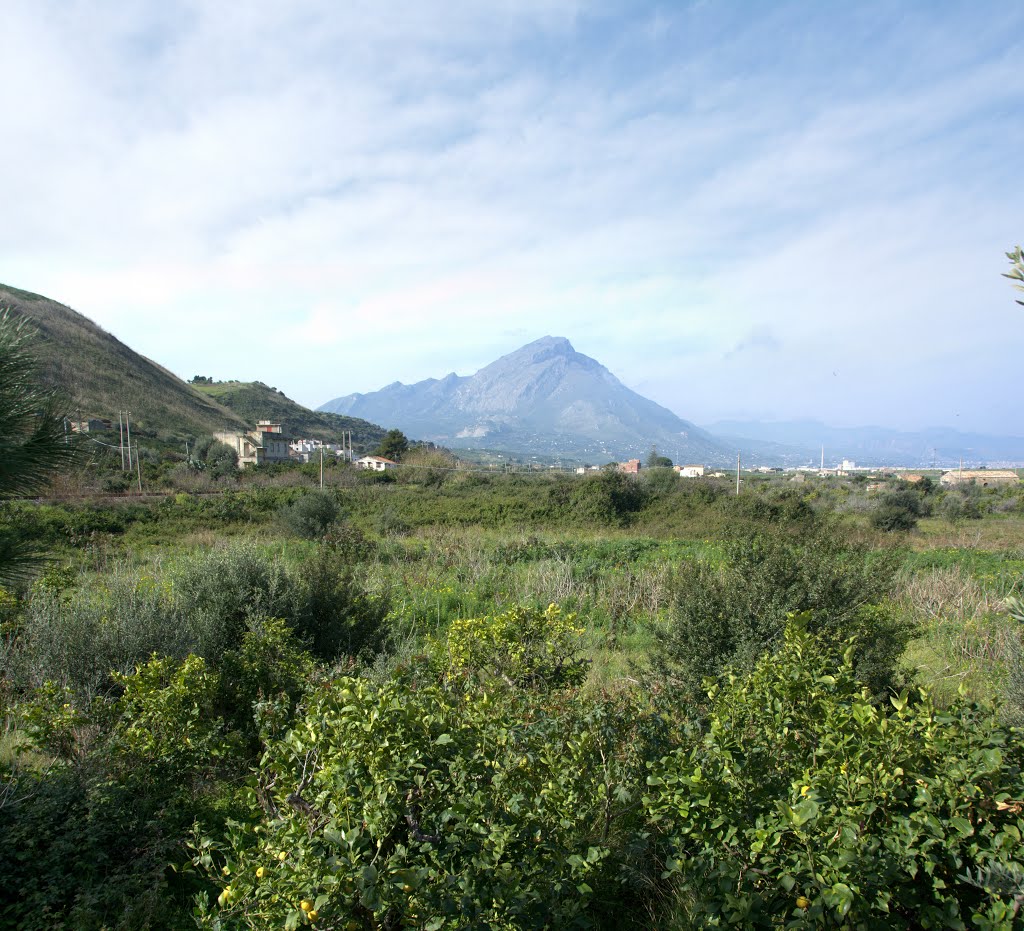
<point x="543" y="399"/>
<point x="787" y="441"/>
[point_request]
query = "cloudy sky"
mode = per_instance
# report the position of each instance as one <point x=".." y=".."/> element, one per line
<point x="743" y="209"/>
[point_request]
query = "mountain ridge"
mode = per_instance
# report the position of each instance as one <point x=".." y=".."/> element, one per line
<point x="543" y="398"/>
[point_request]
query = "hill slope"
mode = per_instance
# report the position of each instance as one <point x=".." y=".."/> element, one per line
<point x="101" y="375"/>
<point x="254" y="401"/>
<point x="544" y="398"/>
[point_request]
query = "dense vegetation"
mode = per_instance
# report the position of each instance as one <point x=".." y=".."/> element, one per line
<point x="453" y="700"/>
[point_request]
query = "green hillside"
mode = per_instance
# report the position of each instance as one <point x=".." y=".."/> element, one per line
<point x="254" y="401"/>
<point x="101" y="375"/>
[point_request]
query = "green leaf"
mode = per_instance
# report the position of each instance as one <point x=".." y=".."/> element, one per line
<point x="961" y="825"/>
<point x="443" y="739"/>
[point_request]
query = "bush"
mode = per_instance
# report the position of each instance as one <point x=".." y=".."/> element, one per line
<point x="312" y="516"/>
<point x="898" y="511"/>
<point x="404" y="805"/>
<point x="806" y="806"/>
<point x="519" y="648"/>
<point x="607" y="499"/>
<point x="221" y="590"/>
<point x="76" y="637"/>
<point x="732" y="614"/>
<point x="335" y="615"/>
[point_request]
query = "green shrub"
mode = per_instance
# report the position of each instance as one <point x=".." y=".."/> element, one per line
<point x="606" y="499"/>
<point x="335" y="615"/>
<point x="221" y="590"/>
<point x="805" y="805"/>
<point x="898" y="511"/>
<point x="404" y="805"/>
<point x="76" y="637"/>
<point x="522" y="647"/>
<point x="312" y="515"/>
<point x="730" y="615"/>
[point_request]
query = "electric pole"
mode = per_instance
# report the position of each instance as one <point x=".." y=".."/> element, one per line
<point x="321" y="465"/>
<point x="128" y="429"/>
<point x="737" y="473"/>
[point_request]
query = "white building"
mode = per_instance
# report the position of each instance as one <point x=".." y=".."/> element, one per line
<point x="376" y="463"/>
<point x="691" y="471"/>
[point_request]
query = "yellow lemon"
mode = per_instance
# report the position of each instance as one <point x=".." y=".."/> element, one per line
<point x="312" y="914"/>
<point x="802" y="901"/>
<point x="260" y="872"/>
<point x="306" y="905"/>
<point x="283" y="855"/>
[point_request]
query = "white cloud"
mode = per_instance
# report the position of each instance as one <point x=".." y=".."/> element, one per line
<point x="403" y="186"/>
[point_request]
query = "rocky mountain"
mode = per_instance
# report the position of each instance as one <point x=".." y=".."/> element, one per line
<point x="543" y="399"/>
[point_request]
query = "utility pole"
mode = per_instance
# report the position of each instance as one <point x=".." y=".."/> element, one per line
<point x="822" y="469"/>
<point x="128" y="429"/>
<point x="120" y="427"/>
<point x="138" y="466"/>
<point x="737" y="473"/>
<point x="321" y="465"/>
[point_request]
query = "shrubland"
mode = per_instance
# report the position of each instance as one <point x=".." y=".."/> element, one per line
<point x="484" y="701"/>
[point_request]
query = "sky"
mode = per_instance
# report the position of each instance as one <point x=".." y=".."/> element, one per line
<point x="750" y="210"/>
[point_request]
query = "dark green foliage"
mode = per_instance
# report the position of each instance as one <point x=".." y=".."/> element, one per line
<point x="660" y="480"/>
<point x="312" y="515"/>
<point x="730" y="615"/>
<point x="93" y="842"/>
<point x="656" y="461"/>
<point x="335" y="614"/>
<point x="804" y="805"/>
<point x="404" y="805"/>
<point x="393" y="445"/>
<point x="961" y="503"/>
<point x="898" y="511"/>
<point x="34" y="445"/>
<point x="606" y="499"/>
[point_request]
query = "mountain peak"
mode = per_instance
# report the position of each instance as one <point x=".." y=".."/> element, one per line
<point x="553" y="343"/>
<point x="543" y="397"/>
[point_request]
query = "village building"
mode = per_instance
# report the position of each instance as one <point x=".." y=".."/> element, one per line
<point x="310" y="450"/>
<point x="630" y="467"/>
<point x="92" y="425"/>
<point x="690" y="471"/>
<point x="986" y="478"/>
<point x="376" y="463"/>
<point x="267" y="443"/>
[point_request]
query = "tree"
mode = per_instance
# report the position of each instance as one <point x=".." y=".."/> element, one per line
<point x="217" y="457"/>
<point x="34" y="445"/>
<point x="657" y="461"/>
<point x="1016" y="272"/>
<point x="393" y="445"/>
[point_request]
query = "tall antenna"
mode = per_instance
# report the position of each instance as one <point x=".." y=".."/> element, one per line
<point x="737" y="473"/>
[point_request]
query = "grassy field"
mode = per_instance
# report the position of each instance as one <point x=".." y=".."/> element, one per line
<point x="178" y="657"/>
